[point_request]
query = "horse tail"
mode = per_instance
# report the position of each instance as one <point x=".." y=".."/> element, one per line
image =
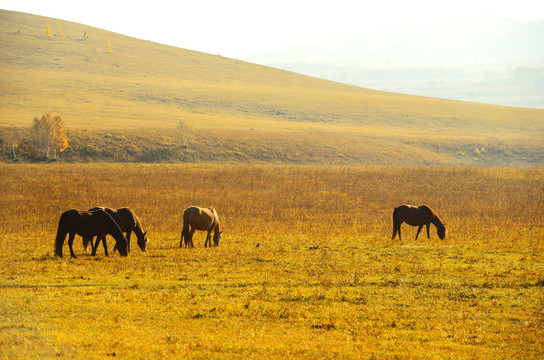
<point x="396" y="223"/>
<point x="184" y="230"/>
<point x="61" y="235"/>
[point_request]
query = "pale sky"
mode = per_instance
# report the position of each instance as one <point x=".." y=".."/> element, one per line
<point x="235" y="28"/>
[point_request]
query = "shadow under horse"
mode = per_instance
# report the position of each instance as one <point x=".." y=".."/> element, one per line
<point x="205" y="219"/>
<point x="417" y="216"/>
<point x="88" y="224"/>
<point x="128" y="222"/>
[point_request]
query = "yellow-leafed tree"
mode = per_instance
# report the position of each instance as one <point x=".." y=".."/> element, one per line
<point x="61" y="34"/>
<point x="59" y="136"/>
<point x="49" y="135"/>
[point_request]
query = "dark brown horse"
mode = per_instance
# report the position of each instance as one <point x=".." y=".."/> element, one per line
<point x="196" y="218"/>
<point x="88" y="224"/>
<point x="128" y="222"/>
<point x="417" y="216"/>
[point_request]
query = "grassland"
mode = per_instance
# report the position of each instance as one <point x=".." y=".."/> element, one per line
<point x="325" y="282"/>
<point x="146" y="87"/>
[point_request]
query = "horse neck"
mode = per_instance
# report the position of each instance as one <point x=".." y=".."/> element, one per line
<point x="215" y="224"/>
<point x="437" y="222"/>
<point x="114" y="229"/>
<point x="137" y="227"/>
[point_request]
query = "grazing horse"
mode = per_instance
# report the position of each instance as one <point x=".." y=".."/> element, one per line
<point x="196" y="218"/>
<point x="417" y="216"/>
<point x="88" y="224"/>
<point x="128" y="222"/>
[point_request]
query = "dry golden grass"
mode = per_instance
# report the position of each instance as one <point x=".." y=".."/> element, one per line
<point x="325" y="282"/>
<point x="144" y="84"/>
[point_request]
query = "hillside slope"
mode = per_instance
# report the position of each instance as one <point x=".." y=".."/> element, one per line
<point x="140" y="84"/>
<point x="485" y="59"/>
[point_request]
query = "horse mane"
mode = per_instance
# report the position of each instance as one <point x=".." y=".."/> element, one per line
<point x="436" y="220"/>
<point x="215" y="218"/>
<point x="137" y="224"/>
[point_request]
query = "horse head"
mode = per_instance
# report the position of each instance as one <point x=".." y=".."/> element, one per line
<point x="122" y="246"/>
<point x="216" y="238"/>
<point x="142" y="241"/>
<point x="441" y="232"/>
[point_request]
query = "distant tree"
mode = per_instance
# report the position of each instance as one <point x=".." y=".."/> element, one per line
<point x="61" y="33"/>
<point x="109" y="45"/>
<point x="40" y="135"/>
<point x="13" y="142"/>
<point x="60" y="140"/>
<point x="186" y="132"/>
<point x="85" y="35"/>
<point x="49" y="135"/>
<point x="48" y="31"/>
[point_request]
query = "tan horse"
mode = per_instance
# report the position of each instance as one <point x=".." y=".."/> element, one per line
<point x="417" y="216"/>
<point x="197" y="218"/>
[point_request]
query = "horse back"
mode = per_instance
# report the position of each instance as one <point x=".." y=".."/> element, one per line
<point x="427" y="212"/>
<point x="126" y="219"/>
<point x="199" y="218"/>
<point x="69" y="220"/>
<point x="105" y="223"/>
<point x="415" y="215"/>
<point x="81" y="222"/>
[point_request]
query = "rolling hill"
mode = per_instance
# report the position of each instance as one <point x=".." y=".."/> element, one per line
<point x="485" y="59"/>
<point x="123" y="98"/>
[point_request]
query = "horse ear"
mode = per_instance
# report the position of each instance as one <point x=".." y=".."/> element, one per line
<point x="221" y="233"/>
<point x="145" y="233"/>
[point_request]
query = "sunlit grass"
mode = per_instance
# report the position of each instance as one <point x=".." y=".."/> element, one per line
<point x="325" y="281"/>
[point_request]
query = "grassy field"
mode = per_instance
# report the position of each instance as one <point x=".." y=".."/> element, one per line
<point x="326" y="280"/>
<point x="141" y="86"/>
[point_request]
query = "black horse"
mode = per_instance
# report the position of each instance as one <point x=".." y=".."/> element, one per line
<point x="417" y="216"/>
<point x="128" y="222"/>
<point x="88" y="224"/>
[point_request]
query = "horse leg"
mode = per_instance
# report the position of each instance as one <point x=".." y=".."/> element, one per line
<point x="190" y="241"/>
<point x="396" y="224"/>
<point x="86" y="241"/>
<point x="105" y="245"/>
<point x="184" y="235"/>
<point x="418" y="230"/>
<point x="428" y="236"/>
<point x="70" y="243"/>
<point x="208" y="239"/>
<point x="95" y="246"/>
<point x="128" y="240"/>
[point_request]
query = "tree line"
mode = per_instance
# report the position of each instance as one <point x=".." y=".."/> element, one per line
<point x="45" y="139"/>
